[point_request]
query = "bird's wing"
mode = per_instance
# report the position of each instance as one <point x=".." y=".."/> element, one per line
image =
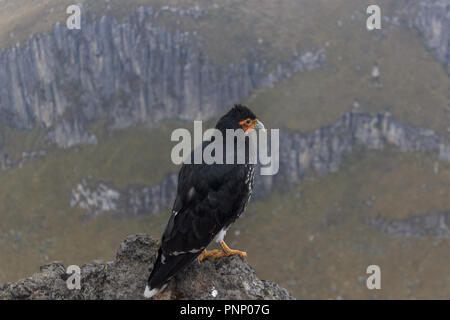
<point x="206" y="197"/>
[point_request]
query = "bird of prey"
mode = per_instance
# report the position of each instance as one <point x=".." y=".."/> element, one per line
<point x="210" y="197"/>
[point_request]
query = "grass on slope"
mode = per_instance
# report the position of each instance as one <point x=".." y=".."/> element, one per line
<point x="135" y="155"/>
<point x="65" y="236"/>
<point x="321" y="217"/>
<point x="34" y="198"/>
<point x="14" y="142"/>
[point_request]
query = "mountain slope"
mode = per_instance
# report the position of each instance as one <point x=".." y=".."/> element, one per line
<point x="89" y="109"/>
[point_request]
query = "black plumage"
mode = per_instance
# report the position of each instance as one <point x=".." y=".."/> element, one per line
<point x="210" y="197"/>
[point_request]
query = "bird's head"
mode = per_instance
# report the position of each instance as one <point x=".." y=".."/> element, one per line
<point x="240" y="117"/>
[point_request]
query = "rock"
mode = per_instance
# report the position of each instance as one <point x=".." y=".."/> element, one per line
<point x="432" y="19"/>
<point x="125" y="278"/>
<point x="434" y="23"/>
<point x="95" y="201"/>
<point x="126" y="73"/>
<point x="68" y="133"/>
<point x="97" y="197"/>
<point x="6" y="162"/>
<point x="321" y="150"/>
<point x="434" y="225"/>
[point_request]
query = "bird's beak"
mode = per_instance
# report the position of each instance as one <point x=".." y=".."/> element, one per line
<point x="259" y="126"/>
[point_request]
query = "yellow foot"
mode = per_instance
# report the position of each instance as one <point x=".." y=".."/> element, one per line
<point x="226" y="252"/>
<point x="205" y="254"/>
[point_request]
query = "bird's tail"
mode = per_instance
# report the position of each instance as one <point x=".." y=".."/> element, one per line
<point x="165" y="267"/>
<point x="148" y="293"/>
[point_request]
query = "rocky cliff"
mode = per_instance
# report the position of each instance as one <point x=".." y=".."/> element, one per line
<point x="426" y="225"/>
<point x="125" y="278"/>
<point x="127" y="72"/>
<point x="432" y="19"/>
<point x="321" y="150"/>
<point x="139" y="71"/>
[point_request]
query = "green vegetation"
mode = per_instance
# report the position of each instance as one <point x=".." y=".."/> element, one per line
<point x="14" y="142"/>
<point x="65" y="236"/>
<point x="122" y="157"/>
<point x="34" y="198"/>
<point x="322" y="217"/>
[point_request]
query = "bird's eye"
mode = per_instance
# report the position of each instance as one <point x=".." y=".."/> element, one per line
<point x="248" y="121"/>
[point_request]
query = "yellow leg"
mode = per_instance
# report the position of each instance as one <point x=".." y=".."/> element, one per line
<point x="226" y="252"/>
<point x="205" y="254"/>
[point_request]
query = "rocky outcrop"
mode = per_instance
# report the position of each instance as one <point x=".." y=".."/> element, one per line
<point x="153" y="199"/>
<point x="432" y="19"/>
<point x="70" y="132"/>
<point x="2" y="157"/>
<point x="129" y="72"/>
<point x="95" y="202"/>
<point x="431" y="225"/>
<point x="139" y="71"/>
<point x="125" y="278"/>
<point x="135" y="200"/>
<point x="6" y="162"/>
<point x="321" y="150"/>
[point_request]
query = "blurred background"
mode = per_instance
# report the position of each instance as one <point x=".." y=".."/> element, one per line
<point x="364" y="117"/>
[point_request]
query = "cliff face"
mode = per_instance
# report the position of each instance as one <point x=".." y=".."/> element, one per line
<point x="129" y="72"/>
<point x="321" y="150"/>
<point x="137" y="71"/>
<point x="135" y="200"/>
<point x="125" y="278"/>
<point x="427" y="225"/>
<point x="433" y="21"/>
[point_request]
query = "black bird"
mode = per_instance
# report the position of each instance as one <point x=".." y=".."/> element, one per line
<point x="210" y="197"/>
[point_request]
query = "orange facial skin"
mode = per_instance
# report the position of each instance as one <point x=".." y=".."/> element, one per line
<point x="248" y="125"/>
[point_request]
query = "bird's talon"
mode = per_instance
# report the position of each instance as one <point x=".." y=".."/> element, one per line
<point x="229" y="252"/>
<point x="205" y="254"/>
<point x="226" y="252"/>
<point x="243" y="254"/>
<point x="219" y="254"/>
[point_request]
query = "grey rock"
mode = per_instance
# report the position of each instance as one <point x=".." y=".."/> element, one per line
<point x="434" y="23"/>
<point x="2" y="157"/>
<point x="153" y="199"/>
<point x="97" y="197"/>
<point x="125" y="278"/>
<point x="432" y="19"/>
<point x="127" y="73"/>
<point x="7" y="163"/>
<point x="101" y="199"/>
<point x="70" y="132"/>
<point x="437" y="225"/>
<point x="321" y="150"/>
